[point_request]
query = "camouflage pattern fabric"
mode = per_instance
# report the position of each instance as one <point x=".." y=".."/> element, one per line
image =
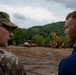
<point x="5" y="20"/>
<point x="10" y="64"/>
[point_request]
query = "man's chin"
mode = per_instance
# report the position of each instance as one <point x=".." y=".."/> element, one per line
<point x="69" y="41"/>
<point x="3" y="45"/>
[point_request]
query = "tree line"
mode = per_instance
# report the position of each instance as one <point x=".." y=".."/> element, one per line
<point x="39" y="34"/>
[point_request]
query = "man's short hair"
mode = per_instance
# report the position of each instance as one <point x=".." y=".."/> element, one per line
<point x="71" y="15"/>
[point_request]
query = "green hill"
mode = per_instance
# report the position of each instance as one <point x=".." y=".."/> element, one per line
<point x="39" y="32"/>
<point x="45" y="30"/>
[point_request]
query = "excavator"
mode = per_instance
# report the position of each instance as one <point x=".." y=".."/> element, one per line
<point x="57" y="42"/>
<point x="29" y="43"/>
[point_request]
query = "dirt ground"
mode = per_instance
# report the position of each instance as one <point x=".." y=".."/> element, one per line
<point x="40" y="60"/>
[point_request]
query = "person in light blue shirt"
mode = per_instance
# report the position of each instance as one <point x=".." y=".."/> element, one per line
<point x="67" y="66"/>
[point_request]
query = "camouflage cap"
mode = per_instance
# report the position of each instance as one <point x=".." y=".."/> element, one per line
<point x="5" y="19"/>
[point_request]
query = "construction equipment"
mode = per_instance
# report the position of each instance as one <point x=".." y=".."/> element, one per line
<point x="29" y="43"/>
<point x="57" y="42"/>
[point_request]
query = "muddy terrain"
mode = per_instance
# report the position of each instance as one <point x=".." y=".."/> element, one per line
<point x="40" y="60"/>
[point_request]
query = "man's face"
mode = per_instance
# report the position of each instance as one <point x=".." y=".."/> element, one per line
<point x="5" y="36"/>
<point x="70" y="30"/>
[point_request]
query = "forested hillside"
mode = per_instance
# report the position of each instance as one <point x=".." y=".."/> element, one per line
<point x="39" y="33"/>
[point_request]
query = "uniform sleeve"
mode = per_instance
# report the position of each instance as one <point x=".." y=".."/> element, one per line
<point x="67" y="67"/>
<point x="21" y="70"/>
<point x="12" y="66"/>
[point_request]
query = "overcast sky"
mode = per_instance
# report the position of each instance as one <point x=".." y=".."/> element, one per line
<point x="28" y="13"/>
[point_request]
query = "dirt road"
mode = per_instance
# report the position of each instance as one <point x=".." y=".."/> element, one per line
<point x="40" y="60"/>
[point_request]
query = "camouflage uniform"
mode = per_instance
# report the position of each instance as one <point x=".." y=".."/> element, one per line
<point x="10" y="64"/>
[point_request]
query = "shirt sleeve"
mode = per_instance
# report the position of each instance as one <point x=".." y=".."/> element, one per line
<point x="67" y="67"/>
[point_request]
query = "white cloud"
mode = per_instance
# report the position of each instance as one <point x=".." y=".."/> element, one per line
<point x="27" y="13"/>
<point x="67" y="3"/>
<point x="37" y="13"/>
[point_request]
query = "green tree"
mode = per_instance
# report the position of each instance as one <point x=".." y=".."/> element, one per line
<point x="38" y="39"/>
<point x="19" y="36"/>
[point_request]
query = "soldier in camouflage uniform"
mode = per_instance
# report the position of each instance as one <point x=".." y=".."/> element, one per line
<point x="9" y="63"/>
